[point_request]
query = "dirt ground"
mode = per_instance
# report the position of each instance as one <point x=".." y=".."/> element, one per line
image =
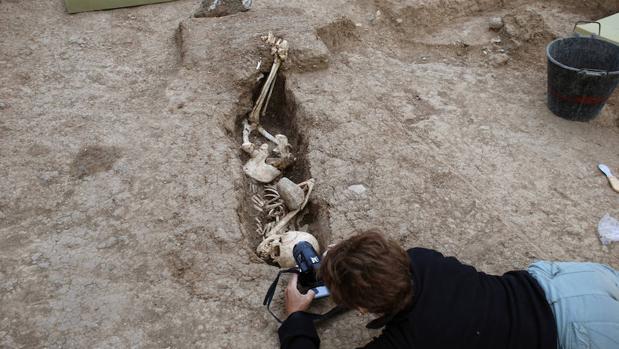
<point x="124" y="216"/>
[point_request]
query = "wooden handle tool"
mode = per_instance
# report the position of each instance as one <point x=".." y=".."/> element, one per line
<point x="614" y="181"/>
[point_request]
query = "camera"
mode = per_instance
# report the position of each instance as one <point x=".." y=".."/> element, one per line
<point x="308" y="263"/>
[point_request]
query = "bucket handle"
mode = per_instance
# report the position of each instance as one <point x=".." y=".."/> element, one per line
<point x="589" y="22"/>
<point x="593" y="73"/>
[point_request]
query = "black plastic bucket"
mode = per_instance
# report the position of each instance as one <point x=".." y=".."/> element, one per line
<point x="582" y="74"/>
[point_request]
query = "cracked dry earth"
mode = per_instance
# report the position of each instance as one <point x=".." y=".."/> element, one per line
<point x="124" y="217"/>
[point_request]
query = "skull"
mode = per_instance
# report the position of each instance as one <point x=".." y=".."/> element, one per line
<point x="278" y="247"/>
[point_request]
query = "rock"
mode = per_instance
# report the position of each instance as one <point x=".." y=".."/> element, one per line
<point x="220" y="8"/>
<point x="358" y="189"/>
<point x="495" y="23"/>
<point x="499" y="59"/>
<point x="291" y="193"/>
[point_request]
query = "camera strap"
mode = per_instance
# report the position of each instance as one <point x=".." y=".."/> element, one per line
<point x="316" y="317"/>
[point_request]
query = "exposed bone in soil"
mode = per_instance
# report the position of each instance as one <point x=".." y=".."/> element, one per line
<point x="280" y="118"/>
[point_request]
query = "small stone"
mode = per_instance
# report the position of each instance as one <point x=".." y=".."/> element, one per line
<point x="220" y="8"/>
<point x="376" y="16"/>
<point x="499" y="59"/>
<point x="358" y="189"/>
<point x="495" y="23"/>
<point x="399" y="20"/>
<point x="291" y="193"/>
<point x="75" y="40"/>
<point x="496" y="40"/>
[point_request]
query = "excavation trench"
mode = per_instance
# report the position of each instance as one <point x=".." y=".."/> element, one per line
<point x="281" y="118"/>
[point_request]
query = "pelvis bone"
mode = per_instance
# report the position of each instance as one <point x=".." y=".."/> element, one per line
<point x="256" y="167"/>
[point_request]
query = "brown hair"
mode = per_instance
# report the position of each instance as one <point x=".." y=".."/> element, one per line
<point x="368" y="271"/>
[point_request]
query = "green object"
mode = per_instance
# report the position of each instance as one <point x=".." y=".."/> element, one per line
<point x="608" y="28"/>
<point x="74" y="6"/>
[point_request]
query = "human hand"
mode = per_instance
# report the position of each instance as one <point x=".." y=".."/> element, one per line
<point x="295" y="301"/>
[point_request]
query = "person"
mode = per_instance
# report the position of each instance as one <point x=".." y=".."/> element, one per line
<point x="427" y="300"/>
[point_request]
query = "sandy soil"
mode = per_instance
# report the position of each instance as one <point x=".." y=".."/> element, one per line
<point x="124" y="212"/>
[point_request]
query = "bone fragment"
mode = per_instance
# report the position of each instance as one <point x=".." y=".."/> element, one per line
<point x="257" y="168"/>
<point x="286" y="158"/>
<point x="267" y="135"/>
<point x="266" y="103"/>
<point x="254" y="116"/>
<point x="246" y="131"/>
<point x="279" y="49"/>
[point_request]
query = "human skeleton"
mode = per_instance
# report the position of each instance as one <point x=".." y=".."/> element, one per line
<point x="273" y="216"/>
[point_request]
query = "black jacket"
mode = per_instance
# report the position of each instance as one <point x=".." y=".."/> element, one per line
<point x="454" y="306"/>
